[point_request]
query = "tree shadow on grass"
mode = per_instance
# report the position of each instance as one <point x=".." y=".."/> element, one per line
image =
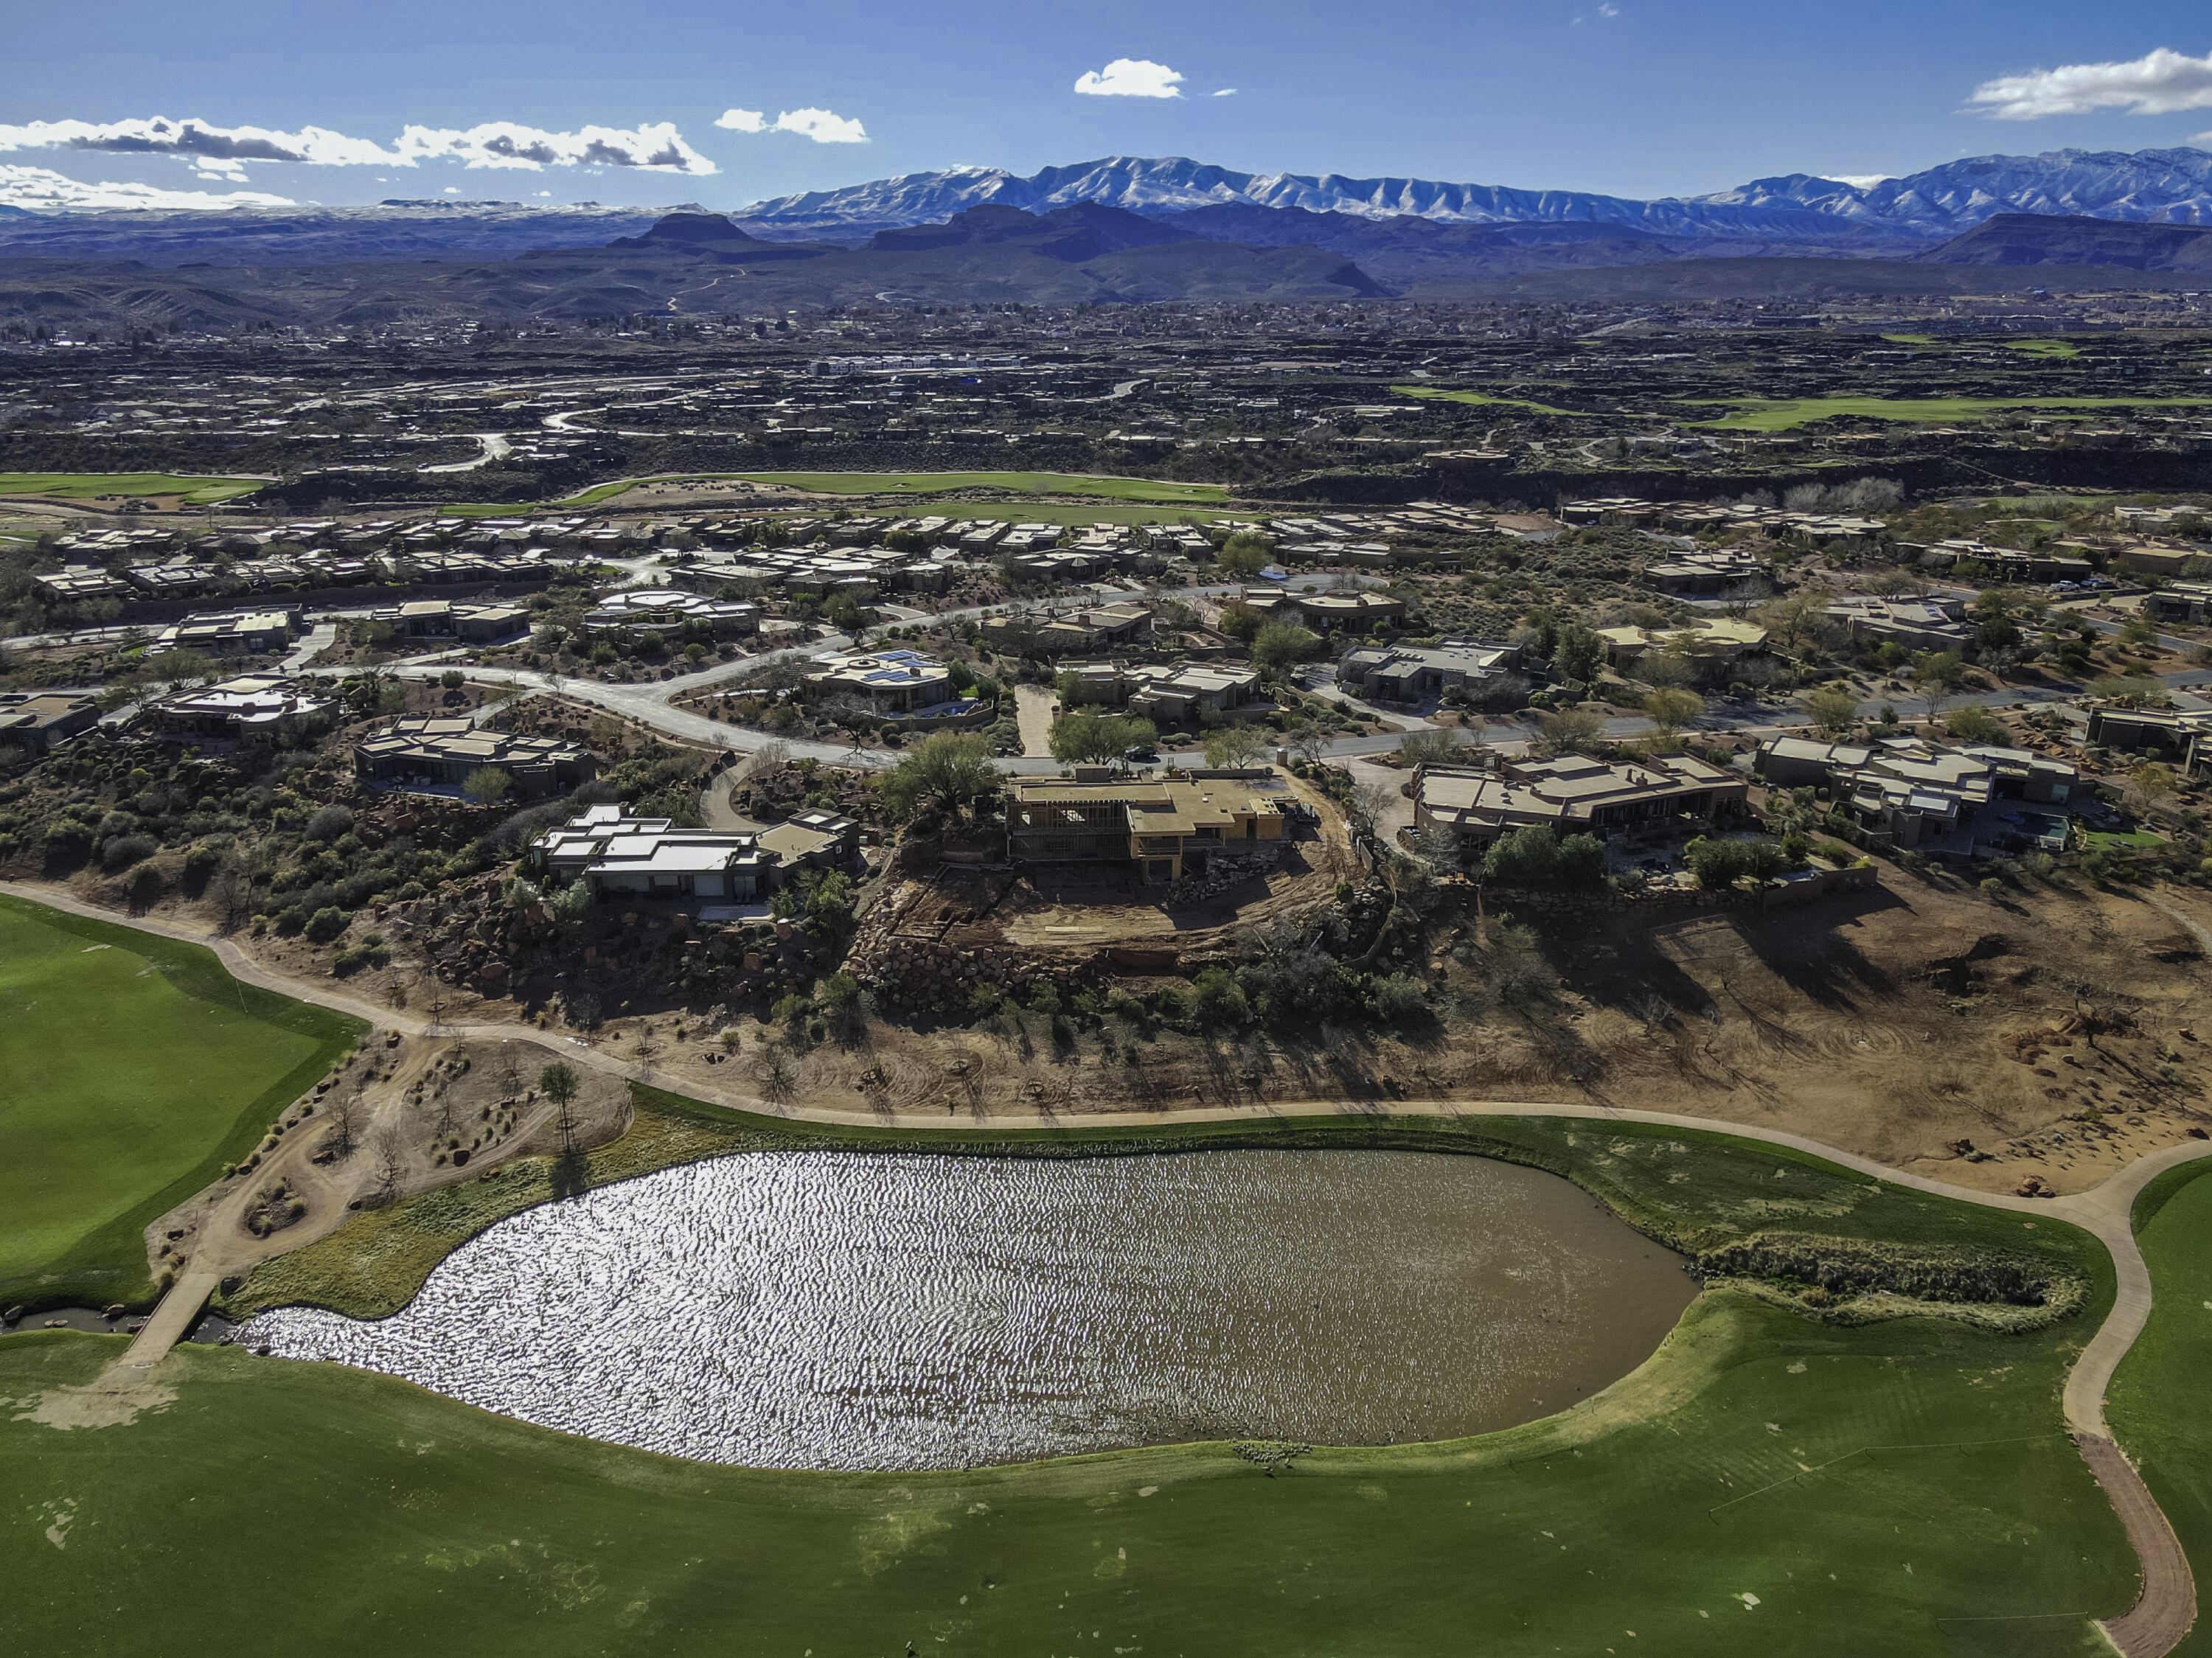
<point x="572" y="1174"/>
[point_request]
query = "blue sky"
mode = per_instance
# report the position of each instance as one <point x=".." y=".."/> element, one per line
<point x="1631" y="97"/>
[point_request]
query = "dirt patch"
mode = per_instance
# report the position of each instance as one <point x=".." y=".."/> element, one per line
<point x="112" y="1402"/>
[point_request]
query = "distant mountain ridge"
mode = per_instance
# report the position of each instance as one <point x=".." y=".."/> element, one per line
<point x="1402" y="230"/>
<point x="2151" y="185"/>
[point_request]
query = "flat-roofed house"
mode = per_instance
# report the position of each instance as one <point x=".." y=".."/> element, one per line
<point x="254" y="706"/>
<point x="1573" y="794"/>
<point x="1912" y="791"/>
<point x="1408" y="673"/>
<point x="2181" y="601"/>
<point x="612" y="852"/>
<point x="2171" y="733"/>
<point x="232" y="633"/>
<point x="1790" y="762"/>
<point x="1932" y="624"/>
<point x="812" y="839"/>
<point x="438" y="752"/>
<point x="1178" y="691"/>
<point x="38" y="722"/>
<point x="668" y="611"/>
<point x="1168" y="827"/>
<point x="1720" y="638"/>
<point x="889" y="682"/>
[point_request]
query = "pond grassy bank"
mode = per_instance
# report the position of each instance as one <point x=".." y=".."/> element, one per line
<point x="1767" y="1482"/>
<point x="1782" y="1220"/>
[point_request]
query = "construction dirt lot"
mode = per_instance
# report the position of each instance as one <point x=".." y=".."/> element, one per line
<point x="1073" y="907"/>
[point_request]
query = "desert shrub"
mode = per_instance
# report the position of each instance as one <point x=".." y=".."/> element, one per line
<point x="1718" y="864"/>
<point x="122" y="851"/>
<point x="325" y="924"/>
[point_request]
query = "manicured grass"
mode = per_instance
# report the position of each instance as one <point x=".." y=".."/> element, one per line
<point x="1439" y="394"/>
<point x="2155" y="1404"/>
<point x="1061" y="512"/>
<point x="915" y="484"/>
<point x="87" y="486"/>
<point x="1028" y="483"/>
<point x="2056" y="349"/>
<point x="2113" y="840"/>
<point x="1764" y="1485"/>
<point x="1779" y="414"/>
<point x="1911" y="339"/>
<point x="135" y="1068"/>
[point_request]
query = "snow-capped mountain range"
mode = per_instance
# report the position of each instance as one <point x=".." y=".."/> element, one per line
<point x="2152" y="185"/>
<point x="1797" y="214"/>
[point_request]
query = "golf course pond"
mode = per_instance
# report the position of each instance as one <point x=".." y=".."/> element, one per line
<point x="845" y="1310"/>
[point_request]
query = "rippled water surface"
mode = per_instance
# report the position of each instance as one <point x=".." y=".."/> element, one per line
<point x="849" y="1310"/>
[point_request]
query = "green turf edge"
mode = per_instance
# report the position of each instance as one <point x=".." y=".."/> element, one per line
<point x="106" y="1265"/>
<point x="1144" y="489"/>
<point x="2177" y="1471"/>
<point x="343" y="1477"/>
<point x="197" y="488"/>
<point x="375" y="1263"/>
<point x="2163" y="1189"/>
<point x="1446" y="394"/>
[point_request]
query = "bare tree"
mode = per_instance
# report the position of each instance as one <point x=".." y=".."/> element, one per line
<point x="1365" y="806"/>
<point x="231" y="893"/>
<point x="390" y="1164"/>
<point x="557" y="1082"/>
<point x="344" y="1123"/>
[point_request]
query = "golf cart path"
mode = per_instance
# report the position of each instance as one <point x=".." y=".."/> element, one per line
<point x="2162" y="1614"/>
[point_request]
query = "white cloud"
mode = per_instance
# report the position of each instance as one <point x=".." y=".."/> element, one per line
<point x="1604" y="10"/>
<point x="658" y="148"/>
<point x="1226" y="92"/>
<point x="42" y="192"/>
<point x="2157" y="83"/>
<point x="224" y="152"/>
<point x="1131" y="77"/>
<point x="1858" y="180"/>
<point x="820" y="125"/>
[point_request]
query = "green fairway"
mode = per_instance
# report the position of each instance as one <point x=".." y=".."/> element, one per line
<point x="2155" y="1402"/>
<point x="1061" y="512"/>
<point x="895" y="483"/>
<point x="1438" y="394"/>
<point x="135" y="1067"/>
<point x="2053" y="349"/>
<point x="89" y="486"/>
<point x="1779" y="414"/>
<point x="1028" y="483"/>
<point x="1765" y="1484"/>
<point x="1911" y="339"/>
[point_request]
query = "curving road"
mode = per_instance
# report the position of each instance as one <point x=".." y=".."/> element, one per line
<point x="2164" y="1611"/>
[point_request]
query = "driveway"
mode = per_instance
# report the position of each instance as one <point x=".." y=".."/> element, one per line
<point x="1033" y="708"/>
